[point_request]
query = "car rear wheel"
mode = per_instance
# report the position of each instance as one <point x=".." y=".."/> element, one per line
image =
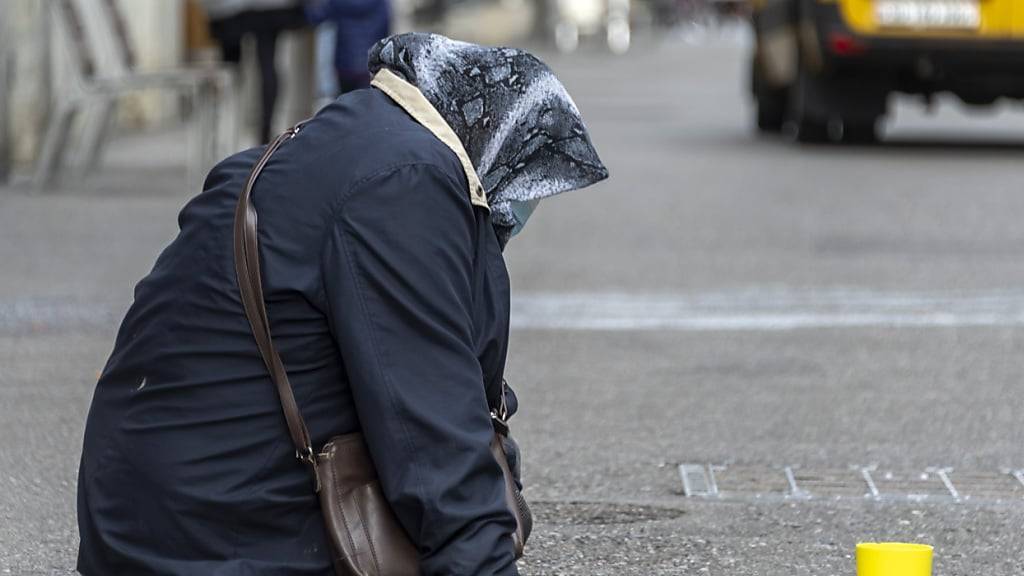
<point x="860" y="131"/>
<point x="810" y="131"/>
<point x="804" y="126"/>
<point x="805" y="120"/>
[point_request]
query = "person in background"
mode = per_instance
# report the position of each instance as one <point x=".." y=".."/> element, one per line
<point x="359" y="24"/>
<point x="232" y="20"/>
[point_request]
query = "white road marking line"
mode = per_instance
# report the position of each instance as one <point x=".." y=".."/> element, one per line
<point x="1019" y="476"/>
<point x="794" y="490"/>
<point x="684" y="474"/>
<point x="713" y="482"/>
<point x="865" y="473"/>
<point x="946" y="481"/>
<point x="754" y="309"/>
<point x="707" y="485"/>
<point x="767" y="310"/>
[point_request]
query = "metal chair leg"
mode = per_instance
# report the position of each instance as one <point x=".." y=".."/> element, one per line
<point x="227" y="116"/>
<point x="194" y="153"/>
<point x="207" y="110"/>
<point x="95" y="135"/>
<point x="54" y="145"/>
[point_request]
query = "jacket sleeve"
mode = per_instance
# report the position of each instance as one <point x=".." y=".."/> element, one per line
<point x="398" y="279"/>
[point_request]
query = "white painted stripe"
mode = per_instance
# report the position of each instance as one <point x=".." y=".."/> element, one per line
<point x="794" y="490"/>
<point x="767" y="309"/>
<point x="750" y="309"/>
<point x="872" y="487"/>
<point x="947" y="482"/>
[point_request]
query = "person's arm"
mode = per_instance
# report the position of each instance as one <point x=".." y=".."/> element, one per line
<point x="398" y="279"/>
<point x="319" y="11"/>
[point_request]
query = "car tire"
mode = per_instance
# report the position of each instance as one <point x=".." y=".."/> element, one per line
<point x="805" y="126"/>
<point x="860" y="131"/>
<point x="810" y="131"/>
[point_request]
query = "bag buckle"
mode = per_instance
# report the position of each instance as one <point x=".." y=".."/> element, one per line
<point x="309" y="457"/>
<point x="499" y="415"/>
<point x="499" y="423"/>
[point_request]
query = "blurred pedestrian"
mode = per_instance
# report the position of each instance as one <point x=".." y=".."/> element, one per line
<point x="381" y="230"/>
<point x="359" y="24"/>
<point x="231" y="21"/>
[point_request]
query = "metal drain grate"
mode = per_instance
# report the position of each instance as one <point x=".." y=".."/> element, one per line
<point x="931" y="483"/>
<point x="745" y="482"/>
<point x="830" y="483"/>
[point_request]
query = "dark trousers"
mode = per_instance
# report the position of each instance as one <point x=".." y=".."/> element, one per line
<point x="264" y="26"/>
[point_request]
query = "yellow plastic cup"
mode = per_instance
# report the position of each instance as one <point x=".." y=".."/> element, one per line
<point x="894" y="559"/>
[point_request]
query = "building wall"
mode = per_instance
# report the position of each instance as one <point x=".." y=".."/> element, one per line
<point x="157" y="30"/>
<point x="28" y="88"/>
<point x="39" y="61"/>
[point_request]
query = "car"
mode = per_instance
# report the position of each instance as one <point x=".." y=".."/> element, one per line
<point x="824" y="69"/>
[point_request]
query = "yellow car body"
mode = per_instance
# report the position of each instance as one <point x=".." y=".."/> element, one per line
<point x="826" y="67"/>
<point x="997" y="19"/>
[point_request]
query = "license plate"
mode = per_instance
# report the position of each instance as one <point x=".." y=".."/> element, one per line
<point x="938" y="14"/>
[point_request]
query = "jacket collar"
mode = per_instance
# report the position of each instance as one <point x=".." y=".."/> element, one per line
<point x="416" y="105"/>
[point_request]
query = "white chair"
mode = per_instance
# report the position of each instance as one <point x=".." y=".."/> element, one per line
<point x="96" y="82"/>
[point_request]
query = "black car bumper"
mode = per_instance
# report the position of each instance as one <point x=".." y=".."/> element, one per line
<point x="990" y="67"/>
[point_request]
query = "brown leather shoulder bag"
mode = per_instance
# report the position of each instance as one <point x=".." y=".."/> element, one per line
<point x="365" y="535"/>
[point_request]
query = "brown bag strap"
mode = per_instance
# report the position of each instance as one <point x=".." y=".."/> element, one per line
<point x="247" y="269"/>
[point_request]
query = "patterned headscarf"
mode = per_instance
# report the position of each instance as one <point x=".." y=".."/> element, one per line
<point x="521" y="129"/>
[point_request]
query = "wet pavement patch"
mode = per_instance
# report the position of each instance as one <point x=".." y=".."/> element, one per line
<point x="599" y="513"/>
<point x="34" y="316"/>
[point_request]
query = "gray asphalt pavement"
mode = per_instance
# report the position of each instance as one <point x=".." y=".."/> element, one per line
<point x="723" y="300"/>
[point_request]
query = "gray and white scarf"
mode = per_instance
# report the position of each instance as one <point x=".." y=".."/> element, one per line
<point x="521" y="129"/>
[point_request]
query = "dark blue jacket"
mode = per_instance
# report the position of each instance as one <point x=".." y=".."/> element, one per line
<point x="359" y="24"/>
<point x="388" y="299"/>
